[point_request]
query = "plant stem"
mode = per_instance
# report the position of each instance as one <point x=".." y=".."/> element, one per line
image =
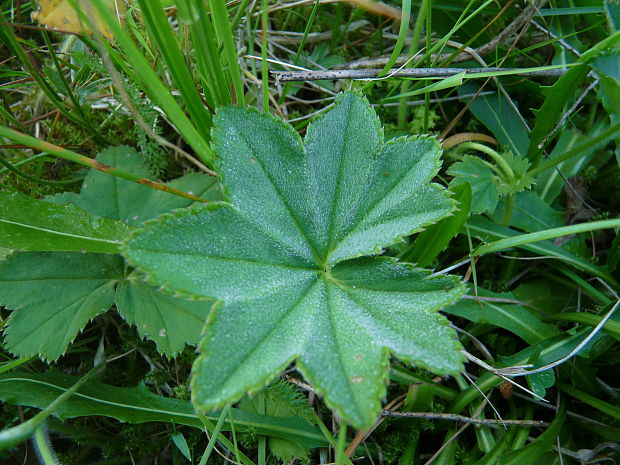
<point x="493" y="154"/>
<point x="94" y="164"/>
<point x="510" y="203"/>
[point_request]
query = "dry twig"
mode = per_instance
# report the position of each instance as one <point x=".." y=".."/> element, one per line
<point x="406" y="73"/>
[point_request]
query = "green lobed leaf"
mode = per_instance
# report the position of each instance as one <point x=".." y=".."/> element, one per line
<point x="35" y="225"/>
<point x="139" y="405"/>
<point x="519" y="166"/>
<point x="53" y="295"/>
<point x="279" y="259"/>
<point x="169" y="321"/>
<point x="83" y="286"/>
<point x="484" y="183"/>
<point x="119" y="199"/>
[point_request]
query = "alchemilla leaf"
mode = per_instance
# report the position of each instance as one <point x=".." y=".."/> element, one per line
<point x="484" y="183"/>
<point x="53" y="295"/>
<point x="292" y="259"/>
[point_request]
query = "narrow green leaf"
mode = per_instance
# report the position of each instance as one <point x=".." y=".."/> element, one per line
<point x="179" y="440"/>
<point x="10" y="437"/>
<point x="162" y="35"/>
<point x="591" y="143"/>
<point x="276" y="259"/>
<point x="530" y="454"/>
<point x="605" y="407"/>
<point x="206" y="48"/>
<point x="489" y="231"/>
<point x="61" y="152"/>
<point x="490" y="458"/>
<point x="550" y="183"/>
<point x="445" y="83"/>
<point x="139" y="405"/>
<point x="222" y="24"/>
<point x="152" y="84"/>
<point x="561" y="93"/>
<point x="512" y="317"/>
<point x="82" y="286"/>
<point x="500" y="117"/>
<point x="524" y="239"/>
<point x="435" y="238"/>
<point x="611" y="327"/>
<point x="403" y="29"/>
<point x="35" y="225"/>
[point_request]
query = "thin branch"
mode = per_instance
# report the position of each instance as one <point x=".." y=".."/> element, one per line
<point x="456" y="434"/>
<point x="463" y="419"/>
<point x="286" y="76"/>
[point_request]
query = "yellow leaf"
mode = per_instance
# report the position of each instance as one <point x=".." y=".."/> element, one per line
<point x="60" y="15"/>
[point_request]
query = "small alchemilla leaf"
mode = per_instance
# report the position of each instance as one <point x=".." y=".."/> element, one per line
<point x="285" y="259"/>
<point x="484" y="183"/>
<point x="519" y="166"/>
<point x="169" y="321"/>
<point x="116" y="198"/>
<point x="53" y="295"/>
